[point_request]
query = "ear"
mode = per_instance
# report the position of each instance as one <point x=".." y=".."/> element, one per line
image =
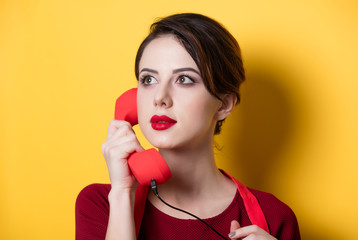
<point x="227" y="105"/>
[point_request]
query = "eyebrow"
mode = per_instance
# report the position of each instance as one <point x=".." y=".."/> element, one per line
<point x="178" y="70"/>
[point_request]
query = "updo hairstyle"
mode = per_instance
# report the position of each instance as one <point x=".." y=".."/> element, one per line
<point x="214" y="50"/>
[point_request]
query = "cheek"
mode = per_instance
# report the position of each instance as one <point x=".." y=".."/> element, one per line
<point x="142" y="107"/>
<point x="201" y="108"/>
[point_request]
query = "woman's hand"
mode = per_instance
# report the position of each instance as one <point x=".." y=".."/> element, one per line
<point x="252" y="232"/>
<point x="121" y="142"/>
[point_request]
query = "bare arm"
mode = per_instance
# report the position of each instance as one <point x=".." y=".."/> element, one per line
<point x="121" y="221"/>
<point x="121" y="142"/>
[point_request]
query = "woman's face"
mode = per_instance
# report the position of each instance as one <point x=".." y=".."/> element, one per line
<point x="175" y="109"/>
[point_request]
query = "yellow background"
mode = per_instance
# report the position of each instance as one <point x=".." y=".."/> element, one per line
<point x="63" y="63"/>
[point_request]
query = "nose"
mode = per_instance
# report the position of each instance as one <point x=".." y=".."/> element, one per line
<point x="162" y="97"/>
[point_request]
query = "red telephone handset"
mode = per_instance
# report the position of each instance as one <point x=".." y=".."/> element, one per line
<point x="149" y="163"/>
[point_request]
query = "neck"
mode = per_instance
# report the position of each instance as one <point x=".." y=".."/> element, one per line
<point x="194" y="173"/>
<point x="196" y="184"/>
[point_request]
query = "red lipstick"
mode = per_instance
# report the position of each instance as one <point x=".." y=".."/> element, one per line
<point x="162" y="122"/>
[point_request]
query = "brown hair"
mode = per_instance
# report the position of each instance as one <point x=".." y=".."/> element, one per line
<point x="214" y="50"/>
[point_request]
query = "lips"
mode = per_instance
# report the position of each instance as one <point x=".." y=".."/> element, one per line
<point x="162" y="122"/>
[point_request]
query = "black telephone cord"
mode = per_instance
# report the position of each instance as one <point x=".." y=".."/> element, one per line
<point x="155" y="191"/>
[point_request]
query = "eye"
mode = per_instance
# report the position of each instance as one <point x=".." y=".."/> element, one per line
<point x="184" y="80"/>
<point x="148" y="80"/>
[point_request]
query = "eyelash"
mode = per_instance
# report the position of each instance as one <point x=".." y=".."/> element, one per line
<point x="187" y="76"/>
<point x="143" y="78"/>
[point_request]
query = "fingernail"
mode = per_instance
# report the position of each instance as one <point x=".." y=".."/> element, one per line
<point x="231" y="234"/>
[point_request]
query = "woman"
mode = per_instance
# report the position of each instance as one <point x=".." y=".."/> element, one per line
<point x="189" y="70"/>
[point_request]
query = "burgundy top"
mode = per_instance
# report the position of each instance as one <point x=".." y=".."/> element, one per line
<point x="92" y="211"/>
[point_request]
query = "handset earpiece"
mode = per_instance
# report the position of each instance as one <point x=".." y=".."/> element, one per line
<point x="144" y="165"/>
<point x="126" y="107"/>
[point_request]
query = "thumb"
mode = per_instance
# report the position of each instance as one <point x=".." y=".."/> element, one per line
<point x="234" y="225"/>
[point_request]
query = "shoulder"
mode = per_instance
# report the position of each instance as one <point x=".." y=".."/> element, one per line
<point x="95" y="189"/>
<point x="93" y="193"/>
<point x="271" y="205"/>
<point x="92" y="212"/>
<point x="93" y="199"/>
<point x="281" y="219"/>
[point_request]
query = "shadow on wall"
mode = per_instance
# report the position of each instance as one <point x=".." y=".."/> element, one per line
<point x="265" y="123"/>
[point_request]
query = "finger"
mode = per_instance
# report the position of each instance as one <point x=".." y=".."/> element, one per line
<point x="114" y="125"/>
<point x="124" y="138"/>
<point x="123" y="131"/>
<point x="234" y="225"/>
<point x="115" y="153"/>
<point x="245" y="231"/>
<point x="123" y="135"/>
<point x="115" y="142"/>
<point x="121" y="148"/>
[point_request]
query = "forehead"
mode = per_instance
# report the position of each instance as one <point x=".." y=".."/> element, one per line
<point x="166" y="51"/>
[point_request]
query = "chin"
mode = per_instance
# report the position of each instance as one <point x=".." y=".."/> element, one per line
<point x="162" y="144"/>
